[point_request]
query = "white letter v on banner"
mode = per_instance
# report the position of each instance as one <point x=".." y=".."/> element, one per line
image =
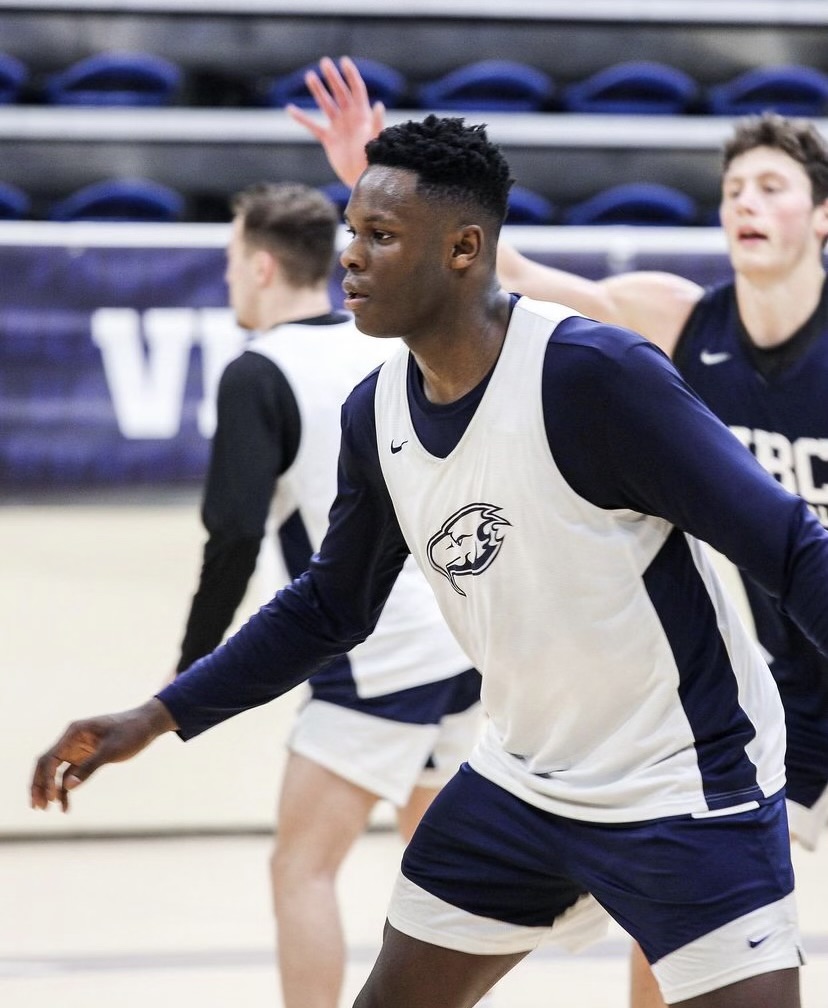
<point x="147" y="389"/>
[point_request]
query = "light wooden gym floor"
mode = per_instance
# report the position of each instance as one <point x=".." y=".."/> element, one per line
<point x="93" y="596"/>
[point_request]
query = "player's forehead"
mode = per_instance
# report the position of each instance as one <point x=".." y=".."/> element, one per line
<point x="765" y="162"/>
<point x="384" y="193"/>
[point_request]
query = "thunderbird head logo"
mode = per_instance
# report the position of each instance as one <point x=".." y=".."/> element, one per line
<point x="467" y="543"/>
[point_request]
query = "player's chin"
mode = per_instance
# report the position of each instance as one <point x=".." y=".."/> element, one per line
<point x="368" y="321"/>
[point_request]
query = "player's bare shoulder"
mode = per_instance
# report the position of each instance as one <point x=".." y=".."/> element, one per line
<point x="655" y="304"/>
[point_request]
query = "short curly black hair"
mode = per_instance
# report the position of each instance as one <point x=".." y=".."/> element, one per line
<point x="453" y="161"/>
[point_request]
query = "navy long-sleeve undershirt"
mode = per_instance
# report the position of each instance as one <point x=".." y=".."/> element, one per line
<point x="625" y="431"/>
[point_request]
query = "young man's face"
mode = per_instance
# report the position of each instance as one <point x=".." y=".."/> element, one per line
<point x="240" y="277"/>
<point x="397" y="261"/>
<point x="768" y="215"/>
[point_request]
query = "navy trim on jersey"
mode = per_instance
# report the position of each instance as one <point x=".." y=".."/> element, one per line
<point x="707" y="688"/>
<point x="426" y="704"/>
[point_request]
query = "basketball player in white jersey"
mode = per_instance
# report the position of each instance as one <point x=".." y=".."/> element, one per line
<point x="755" y="349"/>
<point x="555" y="478"/>
<point x="393" y="719"/>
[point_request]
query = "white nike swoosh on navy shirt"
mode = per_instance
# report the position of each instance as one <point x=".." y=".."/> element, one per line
<point x="710" y="357"/>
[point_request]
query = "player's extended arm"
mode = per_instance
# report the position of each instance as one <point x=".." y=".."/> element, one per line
<point x="351" y="118"/>
<point x="89" y="744"/>
<point x="654" y="304"/>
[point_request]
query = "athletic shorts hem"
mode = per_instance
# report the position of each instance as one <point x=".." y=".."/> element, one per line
<point x="419" y="914"/>
<point x="684" y="992"/>
<point x="764" y="940"/>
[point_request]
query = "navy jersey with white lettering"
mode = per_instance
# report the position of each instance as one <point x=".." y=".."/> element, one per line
<point x="556" y="511"/>
<point x="775" y="402"/>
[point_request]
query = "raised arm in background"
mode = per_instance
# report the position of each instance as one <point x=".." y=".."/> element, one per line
<point x="654" y="304"/>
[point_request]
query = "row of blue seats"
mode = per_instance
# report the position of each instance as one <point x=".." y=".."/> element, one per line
<point x="137" y="199"/>
<point x="632" y="87"/>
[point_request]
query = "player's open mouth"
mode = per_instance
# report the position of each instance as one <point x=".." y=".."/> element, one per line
<point x="353" y="297"/>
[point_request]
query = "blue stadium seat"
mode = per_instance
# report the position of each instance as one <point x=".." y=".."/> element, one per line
<point x="489" y="85"/>
<point x="639" y="203"/>
<point x="121" y="200"/>
<point x="383" y="82"/>
<point x="14" y="203"/>
<point x="528" y="207"/>
<point x="639" y="87"/>
<point x="788" y="90"/>
<point x="13" y="75"/>
<point x="115" y="78"/>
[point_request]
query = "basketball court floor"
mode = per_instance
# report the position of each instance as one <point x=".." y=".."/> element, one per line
<point x="94" y="599"/>
<point x="186" y="921"/>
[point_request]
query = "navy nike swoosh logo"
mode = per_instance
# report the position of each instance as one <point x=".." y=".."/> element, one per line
<point x="755" y="942"/>
<point x="397" y="447"/>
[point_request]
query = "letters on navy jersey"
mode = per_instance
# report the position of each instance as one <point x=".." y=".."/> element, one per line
<point x="772" y="399"/>
<point x="800" y="465"/>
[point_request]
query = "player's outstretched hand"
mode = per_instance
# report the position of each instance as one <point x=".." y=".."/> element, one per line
<point x="351" y="118"/>
<point x="88" y="744"/>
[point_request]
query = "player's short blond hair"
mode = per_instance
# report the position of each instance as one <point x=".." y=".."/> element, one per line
<point x="294" y="222"/>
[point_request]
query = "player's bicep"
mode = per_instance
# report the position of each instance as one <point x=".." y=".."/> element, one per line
<point x="656" y="305"/>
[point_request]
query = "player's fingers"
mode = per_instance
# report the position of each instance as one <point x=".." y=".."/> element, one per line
<point x="68" y="781"/>
<point x="377" y="117"/>
<point x="83" y="746"/>
<point x="336" y="84"/>
<point x="73" y="776"/>
<point x="44" y="784"/>
<point x="300" y="116"/>
<point x="354" y="79"/>
<point x="321" y="95"/>
<point x="78" y="742"/>
<point x="110" y="748"/>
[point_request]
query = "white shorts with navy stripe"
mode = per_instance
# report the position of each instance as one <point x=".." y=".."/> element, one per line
<point x="710" y="900"/>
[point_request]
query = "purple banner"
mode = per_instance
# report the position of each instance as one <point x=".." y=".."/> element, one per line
<point x="105" y="379"/>
<point x="110" y="358"/>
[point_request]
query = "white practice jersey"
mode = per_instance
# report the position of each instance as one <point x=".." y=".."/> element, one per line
<point x="558" y="511"/>
<point x="557" y="601"/>
<point x="411" y="644"/>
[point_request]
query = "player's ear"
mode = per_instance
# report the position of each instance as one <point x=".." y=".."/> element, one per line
<point x="467" y="244"/>
<point x="821" y="220"/>
<point x="265" y="266"/>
